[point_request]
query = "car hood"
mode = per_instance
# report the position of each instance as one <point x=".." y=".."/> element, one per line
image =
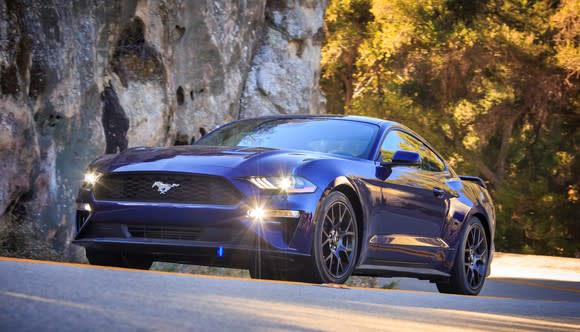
<point x="206" y="159"/>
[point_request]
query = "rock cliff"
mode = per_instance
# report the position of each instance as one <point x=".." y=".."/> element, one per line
<point x="81" y="78"/>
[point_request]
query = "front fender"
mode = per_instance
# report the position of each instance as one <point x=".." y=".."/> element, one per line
<point x="355" y="181"/>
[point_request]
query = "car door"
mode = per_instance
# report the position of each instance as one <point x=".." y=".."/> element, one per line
<point x="414" y="205"/>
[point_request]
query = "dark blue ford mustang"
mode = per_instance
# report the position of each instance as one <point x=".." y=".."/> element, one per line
<point x="310" y="198"/>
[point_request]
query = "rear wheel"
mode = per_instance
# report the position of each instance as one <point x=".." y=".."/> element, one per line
<point x="470" y="268"/>
<point x="105" y="258"/>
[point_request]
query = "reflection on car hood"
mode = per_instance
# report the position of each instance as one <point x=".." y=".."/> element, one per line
<point x="205" y="159"/>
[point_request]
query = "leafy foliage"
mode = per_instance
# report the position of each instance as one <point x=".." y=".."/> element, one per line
<point x="494" y="85"/>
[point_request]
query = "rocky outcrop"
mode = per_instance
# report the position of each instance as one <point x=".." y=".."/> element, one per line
<point x="78" y="79"/>
<point x="287" y="63"/>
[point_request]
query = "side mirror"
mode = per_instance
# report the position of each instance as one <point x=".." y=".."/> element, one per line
<point x="404" y="158"/>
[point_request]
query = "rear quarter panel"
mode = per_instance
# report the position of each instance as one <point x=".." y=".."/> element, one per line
<point x="472" y="200"/>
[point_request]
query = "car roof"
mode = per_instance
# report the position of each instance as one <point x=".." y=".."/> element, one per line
<point x="357" y="118"/>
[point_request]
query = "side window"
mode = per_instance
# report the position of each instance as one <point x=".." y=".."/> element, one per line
<point x="398" y="140"/>
<point x="431" y="162"/>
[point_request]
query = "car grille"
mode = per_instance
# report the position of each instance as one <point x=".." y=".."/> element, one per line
<point x="168" y="233"/>
<point x="147" y="187"/>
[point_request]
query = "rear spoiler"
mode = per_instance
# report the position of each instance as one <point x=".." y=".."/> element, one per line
<point x="475" y="179"/>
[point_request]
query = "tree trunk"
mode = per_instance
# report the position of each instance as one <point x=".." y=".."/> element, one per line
<point x="508" y="127"/>
<point x="348" y="90"/>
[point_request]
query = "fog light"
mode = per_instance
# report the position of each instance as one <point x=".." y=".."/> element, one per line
<point x="257" y="213"/>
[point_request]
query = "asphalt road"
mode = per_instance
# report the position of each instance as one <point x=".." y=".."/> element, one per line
<point x="50" y="296"/>
<point x="532" y="289"/>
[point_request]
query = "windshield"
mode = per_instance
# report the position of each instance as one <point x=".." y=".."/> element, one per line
<point x="336" y="136"/>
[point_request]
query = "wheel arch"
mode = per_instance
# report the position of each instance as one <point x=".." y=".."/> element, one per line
<point x="484" y="221"/>
<point x="354" y="199"/>
<point x="489" y="235"/>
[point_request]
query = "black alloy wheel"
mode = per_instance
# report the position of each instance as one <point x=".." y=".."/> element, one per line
<point x="475" y="257"/>
<point x="470" y="268"/>
<point x="335" y="245"/>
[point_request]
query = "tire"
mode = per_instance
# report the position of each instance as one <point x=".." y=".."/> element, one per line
<point x="105" y="258"/>
<point x="335" y="243"/>
<point x="471" y="260"/>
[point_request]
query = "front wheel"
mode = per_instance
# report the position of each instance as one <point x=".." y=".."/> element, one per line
<point x="470" y="268"/>
<point x="335" y="245"/>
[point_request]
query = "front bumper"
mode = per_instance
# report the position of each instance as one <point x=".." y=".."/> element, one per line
<point x="221" y="235"/>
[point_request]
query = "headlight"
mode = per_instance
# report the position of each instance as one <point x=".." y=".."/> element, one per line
<point x="91" y="178"/>
<point x="286" y="184"/>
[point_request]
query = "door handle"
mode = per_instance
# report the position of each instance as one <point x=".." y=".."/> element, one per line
<point x="438" y="192"/>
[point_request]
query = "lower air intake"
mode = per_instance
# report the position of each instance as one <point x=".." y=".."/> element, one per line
<point x="164" y="233"/>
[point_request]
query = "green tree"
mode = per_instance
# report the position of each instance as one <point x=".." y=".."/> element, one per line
<point x="494" y="85"/>
<point x="345" y="27"/>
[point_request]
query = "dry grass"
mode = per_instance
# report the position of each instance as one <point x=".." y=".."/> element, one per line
<point x="24" y="239"/>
